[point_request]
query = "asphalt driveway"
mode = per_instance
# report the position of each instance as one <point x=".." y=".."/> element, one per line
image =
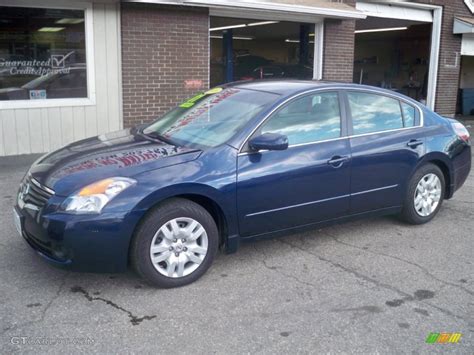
<point x="371" y="286"/>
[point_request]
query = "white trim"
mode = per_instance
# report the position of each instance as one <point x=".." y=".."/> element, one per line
<point x="209" y="53"/>
<point x="318" y="51"/>
<point x="470" y="5"/>
<point x="467" y="44"/>
<point x="26" y="104"/>
<point x="89" y="48"/>
<point x="263" y="15"/>
<point x="434" y="57"/>
<point x="267" y="6"/>
<point x="288" y="8"/>
<point x="119" y="63"/>
<point x="407" y="4"/>
<point x="394" y="11"/>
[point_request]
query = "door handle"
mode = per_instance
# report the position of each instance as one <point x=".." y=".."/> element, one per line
<point x="413" y="143"/>
<point x="337" y="161"/>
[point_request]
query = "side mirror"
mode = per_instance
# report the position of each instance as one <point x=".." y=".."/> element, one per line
<point x="269" y="141"/>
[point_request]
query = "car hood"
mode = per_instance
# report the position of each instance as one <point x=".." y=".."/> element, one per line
<point x="124" y="153"/>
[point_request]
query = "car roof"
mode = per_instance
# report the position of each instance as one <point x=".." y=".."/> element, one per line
<point x="292" y="87"/>
<point x="281" y="87"/>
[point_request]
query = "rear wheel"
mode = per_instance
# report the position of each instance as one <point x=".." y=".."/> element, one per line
<point x="424" y="196"/>
<point x="175" y="244"/>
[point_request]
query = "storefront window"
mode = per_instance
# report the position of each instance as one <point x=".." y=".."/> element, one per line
<point x="42" y="54"/>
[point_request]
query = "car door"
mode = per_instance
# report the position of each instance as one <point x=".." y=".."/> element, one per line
<point x="306" y="183"/>
<point x="386" y="143"/>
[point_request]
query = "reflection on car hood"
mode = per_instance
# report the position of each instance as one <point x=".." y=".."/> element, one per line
<point x="123" y="153"/>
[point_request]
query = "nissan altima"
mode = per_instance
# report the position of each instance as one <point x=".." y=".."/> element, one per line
<point x="235" y="163"/>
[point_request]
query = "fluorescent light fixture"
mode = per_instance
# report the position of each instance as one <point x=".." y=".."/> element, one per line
<point x="261" y="23"/>
<point x="234" y="37"/>
<point x="295" y="41"/>
<point x="69" y="21"/>
<point x="382" y="29"/>
<point x="243" y="25"/>
<point x="51" y="29"/>
<point x="227" y="27"/>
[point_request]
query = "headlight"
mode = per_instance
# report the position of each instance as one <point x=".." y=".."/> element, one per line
<point x="92" y="198"/>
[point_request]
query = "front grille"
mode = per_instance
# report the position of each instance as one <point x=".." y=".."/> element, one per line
<point x="33" y="193"/>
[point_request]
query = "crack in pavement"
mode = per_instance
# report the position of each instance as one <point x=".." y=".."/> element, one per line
<point x="274" y="268"/>
<point x="425" y="271"/>
<point x="45" y="310"/>
<point x="135" y="320"/>
<point x="349" y="270"/>
<point x="369" y="279"/>
<point x="58" y="293"/>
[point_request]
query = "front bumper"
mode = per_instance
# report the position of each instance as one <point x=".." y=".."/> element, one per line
<point x="88" y="243"/>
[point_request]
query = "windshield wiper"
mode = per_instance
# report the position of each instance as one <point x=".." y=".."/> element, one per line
<point x="156" y="136"/>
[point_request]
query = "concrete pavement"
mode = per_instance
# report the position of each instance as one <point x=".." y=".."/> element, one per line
<point x="370" y="286"/>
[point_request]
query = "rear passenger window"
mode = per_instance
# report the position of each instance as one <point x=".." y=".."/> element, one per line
<point x="408" y="114"/>
<point x="374" y="113"/>
<point x="309" y="119"/>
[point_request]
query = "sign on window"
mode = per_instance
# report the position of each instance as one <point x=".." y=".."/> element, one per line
<point x="42" y="54"/>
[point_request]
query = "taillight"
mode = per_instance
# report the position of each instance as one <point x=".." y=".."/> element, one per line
<point x="460" y="131"/>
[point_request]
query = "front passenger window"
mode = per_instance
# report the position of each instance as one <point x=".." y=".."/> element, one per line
<point x="311" y="118"/>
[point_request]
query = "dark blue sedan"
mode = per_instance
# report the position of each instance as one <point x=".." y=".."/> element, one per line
<point x="243" y="161"/>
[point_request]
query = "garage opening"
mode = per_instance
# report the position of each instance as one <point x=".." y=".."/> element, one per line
<point x="466" y="85"/>
<point x="393" y="54"/>
<point x="465" y="26"/>
<point x="246" y="49"/>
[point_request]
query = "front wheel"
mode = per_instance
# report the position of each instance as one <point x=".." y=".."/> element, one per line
<point x="175" y="244"/>
<point x="424" y="196"/>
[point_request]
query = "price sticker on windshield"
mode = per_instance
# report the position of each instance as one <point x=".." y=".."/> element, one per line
<point x="190" y="103"/>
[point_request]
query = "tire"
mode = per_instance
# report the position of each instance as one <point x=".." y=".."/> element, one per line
<point x="415" y="198"/>
<point x="184" y="247"/>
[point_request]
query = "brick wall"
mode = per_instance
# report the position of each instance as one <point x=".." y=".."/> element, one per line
<point x="338" y="62"/>
<point x="162" y="47"/>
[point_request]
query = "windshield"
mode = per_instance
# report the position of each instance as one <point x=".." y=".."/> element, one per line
<point x="211" y="118"/>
